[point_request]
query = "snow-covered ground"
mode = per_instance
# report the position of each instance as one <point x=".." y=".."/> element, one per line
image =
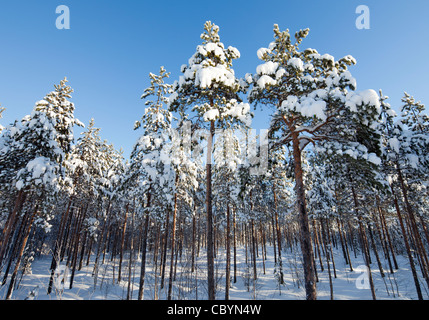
<point x="348" y="285"/>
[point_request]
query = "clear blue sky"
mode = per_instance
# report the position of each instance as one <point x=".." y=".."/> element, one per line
<point x="113" y="45"/>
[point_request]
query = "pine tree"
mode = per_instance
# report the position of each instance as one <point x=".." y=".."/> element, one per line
<point x="209" y="86"/>
<point x="57" y="106"/>
<point x="405" y="163"/>
<point x="412" y="114"/>
<point x="227" y="158"/>
<point x="150" y="171"/>
<point x="313" y="103"/>
<point x="35" y="149"/>
<point x="84" y="169"/>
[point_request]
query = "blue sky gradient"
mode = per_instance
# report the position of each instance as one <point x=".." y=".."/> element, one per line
<point x="113" y="45"/>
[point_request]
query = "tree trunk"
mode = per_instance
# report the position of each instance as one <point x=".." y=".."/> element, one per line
<point x="10" y="223"/>
<point x="144" y="249"/>
<point x="79" y="222"/>
<point x="130" y="266"/>
<point x="387" y="236"/>
<point x="374" y="248"/>
<point x="263" y="246"/>
<point x="194" y="226"/>
<point x="279" y="238"/>
<point x="407" y="246"/>
<point x="327" y="255"/>
<point x="21" y="252"/>
<point x="173" y="242"/>
<point x="305" y="236"/>
<point x="210" y="244"/>
<point x="364" y="241"/>
<point x="121" y="253"/>
<point x="102" y="244"/>
<point x="164" y="248"/>
<point x="14" y="247"/>
<point x="316" y="240"/>
<point x="274" y="240"/>
<point x="228" y="254"/>
<point x="252" y="226"/>
<point x="235" y="246"/>
<point x="413" y="225"/>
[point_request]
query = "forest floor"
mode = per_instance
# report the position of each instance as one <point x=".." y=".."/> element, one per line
<point x="347" y="285"/>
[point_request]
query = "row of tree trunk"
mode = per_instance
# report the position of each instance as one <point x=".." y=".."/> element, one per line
<point x="122" y="233"/>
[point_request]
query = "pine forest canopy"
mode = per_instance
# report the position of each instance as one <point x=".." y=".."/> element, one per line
<point x="341" y="165"/>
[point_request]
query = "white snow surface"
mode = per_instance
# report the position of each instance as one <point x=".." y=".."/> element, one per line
<point x="307" y="106"/>
<point x="347" y="285"/>
<point x="364" y="97"/>
<point x="211" y="115"/>
<point x="296" y="63"/>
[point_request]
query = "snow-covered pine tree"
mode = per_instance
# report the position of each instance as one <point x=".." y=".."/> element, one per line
<point x="110" y="193"/>
<point x="38" y="167"/>
<point x="57" y="105"/>
<point x="84" y="169"/>
<point x="227" y="159"/>
<point x="412" y="114"/>
<point x="313" y="103"/>
<point x="184" y="180"/>
<point x="280" y="178"/>
<point x="210" y="88"/>
<point x="405" y="163"/>
<point x="150" y="167"/>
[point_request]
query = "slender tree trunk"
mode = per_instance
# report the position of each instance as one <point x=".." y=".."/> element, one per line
<point x="252" y="226"/>
<point x="76" y="242"/>
<point x="173" y="243"/>
<point x="279" y="238"/>
<point x="82" y="251"/>
<point x="374" y="248"/>
<point x="155" y="260"/>
<point x="21" y="252"/>
<point x="382" y="237"/>
<point x="364" y="241"/>
<point x="316" y="239"/>
<point x="228" y="254"/>
<point x="305" y="236"/>
<point x="164" y="248"/>
<point x="330" y="247"/>
<point x="143" y="263"/>
<point x="16" y="240"/>
<point x="102" y="244"/>
<point x="387" y="236"/>
<point x="274" y="240"/>
<point x="235" y="246"/>
<point x="366" y="254"/>
<point x="194" y="226"/>
<point x="130" y="267"/>
<point x="10" y="223"/>
<point x="414" y="228"/>
<point x="343" y="232"/>
<point x="144" y="249"/>
<point x="263" y="246"/>
<point x="210" y="241"/>
<point x="327" y="255"/>
<point x="121" y="253"/>
<point x="407" y="246"/>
